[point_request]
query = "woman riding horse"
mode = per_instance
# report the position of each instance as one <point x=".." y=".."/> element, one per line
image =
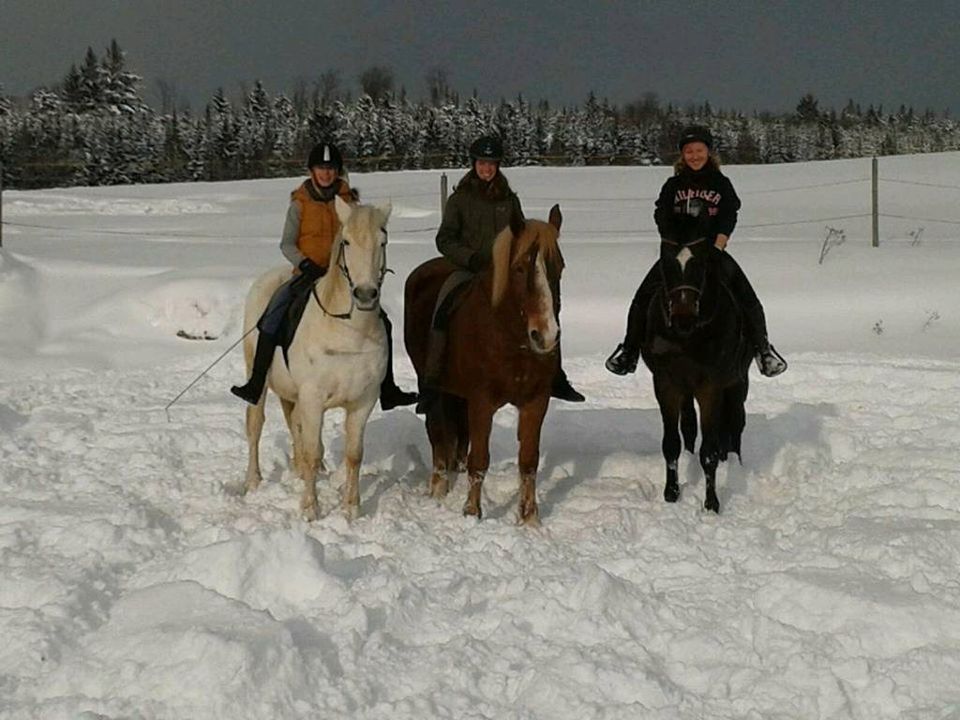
<point x="308" y="235"/>
<point x="482" y="205"/>
<point x="698" y="189"/>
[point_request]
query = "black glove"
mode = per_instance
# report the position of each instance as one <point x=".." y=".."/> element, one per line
<point x="475" y="264"/>
<point x="310" y="272"/>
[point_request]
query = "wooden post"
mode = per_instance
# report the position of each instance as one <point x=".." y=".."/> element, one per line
<point x="443" y="193"/>
<point x="876" y="206"/>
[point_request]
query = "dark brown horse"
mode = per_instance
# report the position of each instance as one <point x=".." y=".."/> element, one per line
<point x="502" y="349"/>
<point x="696" y="349"/>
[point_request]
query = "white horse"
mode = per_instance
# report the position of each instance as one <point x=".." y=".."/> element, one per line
<point x="337" y="359"/>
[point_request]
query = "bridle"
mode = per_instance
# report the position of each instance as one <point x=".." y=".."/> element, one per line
<point x="698" y="291"/>
<point x="341" y="264"/>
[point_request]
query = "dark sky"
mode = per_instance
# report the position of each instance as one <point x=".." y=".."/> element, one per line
<point x="746" y="55"/>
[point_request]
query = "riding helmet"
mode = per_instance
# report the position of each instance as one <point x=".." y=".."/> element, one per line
<point x="325" y="154"/>
<point x="487" y="147"/>
<point x="695" y="133"/>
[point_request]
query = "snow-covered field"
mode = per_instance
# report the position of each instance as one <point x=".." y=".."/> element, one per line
<point x="136" y="583"/>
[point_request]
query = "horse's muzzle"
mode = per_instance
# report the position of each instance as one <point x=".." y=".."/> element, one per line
<point x="541" y="345"/>
<point x="366" y="297"/>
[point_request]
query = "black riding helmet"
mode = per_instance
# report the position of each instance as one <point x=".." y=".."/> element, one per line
<point x="487" y="147"/>
<point x="695" y="133"/>
<point x="325" y="155"/>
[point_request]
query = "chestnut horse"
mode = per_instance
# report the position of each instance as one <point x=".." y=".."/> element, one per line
<point x="502" y="348"/>
<point x="696" y="349"/>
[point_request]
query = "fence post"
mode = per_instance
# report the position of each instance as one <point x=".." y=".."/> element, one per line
<point x="876" y="206"/>
<point x="443" y="193"/>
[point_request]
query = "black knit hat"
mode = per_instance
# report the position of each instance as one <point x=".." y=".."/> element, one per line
<point x="695" y="133"/>
<point x="488" y="147"/>
<point x="325" y="155"/>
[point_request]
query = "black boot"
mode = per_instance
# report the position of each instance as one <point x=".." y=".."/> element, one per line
<point x="253" y="390"/>
<point x="563" y="390"/>
<point x="390" y="395"/>
<point x="770" y="363"/>
<point x="433" y="370"/>
<point x="623" y="361"/>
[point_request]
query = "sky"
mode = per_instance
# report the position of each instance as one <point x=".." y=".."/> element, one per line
<point x="136" y="582"/>
<point x="745" y="55"/>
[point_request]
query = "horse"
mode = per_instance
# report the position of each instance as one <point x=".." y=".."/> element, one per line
<point x="337" y="359"/>
<point x="502" y="348"/>
<point x="695" y="348"/>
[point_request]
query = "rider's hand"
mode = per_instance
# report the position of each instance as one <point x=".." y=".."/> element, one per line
<point x="721" y="241"/>
<point x="310" y="270"/>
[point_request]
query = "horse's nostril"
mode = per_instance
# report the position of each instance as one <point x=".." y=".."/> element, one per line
<point x="536" y="337"/>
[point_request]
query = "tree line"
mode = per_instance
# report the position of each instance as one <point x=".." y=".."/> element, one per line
<point x="94" y="128"/>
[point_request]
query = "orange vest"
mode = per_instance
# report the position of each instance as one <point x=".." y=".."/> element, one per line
<point x="318" y="223"/>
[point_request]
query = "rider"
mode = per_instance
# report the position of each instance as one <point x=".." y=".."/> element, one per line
<point x="698" y="182"/>
<point x="479" y="208"/>
<point x="308" y="234"/>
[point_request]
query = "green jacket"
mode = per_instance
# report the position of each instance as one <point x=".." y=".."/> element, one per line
<point x="473" y="217"/>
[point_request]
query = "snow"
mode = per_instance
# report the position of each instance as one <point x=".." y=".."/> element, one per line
<point x="135" y="581"/>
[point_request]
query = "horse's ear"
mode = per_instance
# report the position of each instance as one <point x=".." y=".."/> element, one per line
<point x="556" y="217"/>
<point x="344" y="209"/>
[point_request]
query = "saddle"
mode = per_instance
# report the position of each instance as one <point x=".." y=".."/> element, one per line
<point x="450" y="298"/>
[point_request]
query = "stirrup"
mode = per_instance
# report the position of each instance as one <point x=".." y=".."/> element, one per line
<point x="770" y="363"/>
<point x="621" y="362"/>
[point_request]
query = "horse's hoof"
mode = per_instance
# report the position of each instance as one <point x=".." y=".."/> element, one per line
<point x="530" y="520"/>
<point x="712" y="503"/>
<point x="351" y="512"/>
<point x="439" y="487"/>
<point x="671" y="493"/>
<point x="472" y="512"/>
<point x="251" y="484"/>
<point x="310" y="513"/>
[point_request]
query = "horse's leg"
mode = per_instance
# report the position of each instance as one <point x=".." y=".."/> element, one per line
<point x="688" y="424"/>
<point x="459" y="411"/>
<point x="307" y="421"/>
<point x="354" y="425"/>
<point x="288" y="406"/>
<point x="480" y="420"/>
<point x="254" y="426"/>
<point x="528" y="434"/>
<point x="735" y="402"/>
<point x="710" y="401"/>
<point x="670" y="401"/>
<point x="442" y="441"/>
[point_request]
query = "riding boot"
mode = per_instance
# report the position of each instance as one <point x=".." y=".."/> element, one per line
<point x="563" y="390"/>
<point x="433" y="369"/>
<point x="624" y="359"/>
<point x="390" y="395"/>
<point x="770" y="363"/>
<point x="253" y="390"/>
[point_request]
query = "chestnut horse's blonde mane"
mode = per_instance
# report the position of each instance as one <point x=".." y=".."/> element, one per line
<point x="507" y="247"/>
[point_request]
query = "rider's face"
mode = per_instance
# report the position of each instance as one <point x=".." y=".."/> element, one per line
<point x="323" y="175"/>
<point x="486" y="169"/>
<point x="695" y="155"/>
